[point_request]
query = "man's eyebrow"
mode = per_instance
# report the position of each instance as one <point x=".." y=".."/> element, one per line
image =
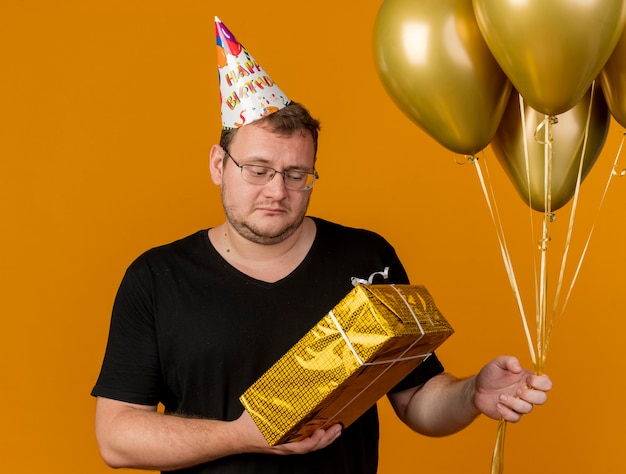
<point x="260" y="161"/>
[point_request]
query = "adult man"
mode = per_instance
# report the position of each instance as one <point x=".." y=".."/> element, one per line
<point x="197" y="321"/>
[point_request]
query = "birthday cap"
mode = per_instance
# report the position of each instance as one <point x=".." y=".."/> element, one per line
<point x="247" y="92"/>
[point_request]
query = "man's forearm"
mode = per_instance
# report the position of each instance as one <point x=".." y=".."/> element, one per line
<point x="141" y="438"/>
<point x="443" y="406"/>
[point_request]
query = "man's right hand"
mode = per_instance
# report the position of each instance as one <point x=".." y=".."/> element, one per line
<point x="318" y="440"/>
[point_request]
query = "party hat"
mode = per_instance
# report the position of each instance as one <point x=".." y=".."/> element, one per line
<point x="247" y="92"/>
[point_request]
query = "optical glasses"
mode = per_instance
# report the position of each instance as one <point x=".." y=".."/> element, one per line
<point x="262" y="175"/>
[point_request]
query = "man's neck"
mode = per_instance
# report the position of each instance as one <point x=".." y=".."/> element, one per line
<point x="268" y="263"/>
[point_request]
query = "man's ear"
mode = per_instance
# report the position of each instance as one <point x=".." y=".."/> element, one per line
<point x="216" y="164"/>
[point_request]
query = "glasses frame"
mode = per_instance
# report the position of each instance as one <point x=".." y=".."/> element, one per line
<point x="273" y="173"/>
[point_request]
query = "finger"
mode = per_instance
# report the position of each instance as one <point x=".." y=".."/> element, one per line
<point x="322" y="438"/>
<point x="319" y="439"/>
<point x="512" y="408"/>
<point x="513" y="365"/>
<point x="536" y="397"/>
<point x="540" y="382"/>
<point x="517" y="404"/>
<point x="507" y="413"/>
<point x="331" y="435"/>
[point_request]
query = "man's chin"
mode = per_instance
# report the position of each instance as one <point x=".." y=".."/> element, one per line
<point x="268" y="235"/>
<point x="270" y="238"/>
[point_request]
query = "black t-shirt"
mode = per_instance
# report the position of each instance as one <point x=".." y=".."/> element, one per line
<point x="190" y="331"/>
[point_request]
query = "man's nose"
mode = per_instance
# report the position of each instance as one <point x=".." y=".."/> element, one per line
<point x="277" y="184"/>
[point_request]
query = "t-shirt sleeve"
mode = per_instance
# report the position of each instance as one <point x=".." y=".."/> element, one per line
<point x="429" y="367"/>
<point x="131" y="369"/>
<point x="420" y="375"/>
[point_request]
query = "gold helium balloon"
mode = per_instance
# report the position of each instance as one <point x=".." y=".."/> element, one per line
<point x="613" y="81"/>
<point x="567" y="146"/>
<point x="551" y="50"/>
<point x="435" y="65"/>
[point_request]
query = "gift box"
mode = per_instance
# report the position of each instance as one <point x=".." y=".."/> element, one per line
<point x="352" y="357"/>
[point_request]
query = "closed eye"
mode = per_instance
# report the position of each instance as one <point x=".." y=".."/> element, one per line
<point x="295" y="176"/>
<point x="258" y="171"/>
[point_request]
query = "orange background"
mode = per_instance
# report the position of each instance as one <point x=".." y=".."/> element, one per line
<point x="108" y="110"/>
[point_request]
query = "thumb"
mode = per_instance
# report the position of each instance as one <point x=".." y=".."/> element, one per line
<point x="509" y="363"/>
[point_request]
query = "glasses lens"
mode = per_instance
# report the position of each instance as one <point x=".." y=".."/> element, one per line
<point x="298" y="180"/>
<point x="261" y="175"/>
<point x="257" y="174"/>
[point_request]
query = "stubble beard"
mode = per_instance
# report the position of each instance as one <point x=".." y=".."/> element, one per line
<point x="253" y="233"/>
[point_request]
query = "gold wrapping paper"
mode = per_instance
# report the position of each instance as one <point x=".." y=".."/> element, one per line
<point x="363" y="347"/>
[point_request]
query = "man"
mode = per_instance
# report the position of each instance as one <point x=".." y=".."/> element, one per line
<point x="197" y="321"/>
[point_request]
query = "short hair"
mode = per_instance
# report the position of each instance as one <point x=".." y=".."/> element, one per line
<point x="292" y="118"/>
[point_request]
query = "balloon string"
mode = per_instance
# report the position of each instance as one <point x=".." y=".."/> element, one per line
<point x="614" y="171"/>
<point x="544" y="331"/>
<point x="543" y="246"/>
<point x="612" y="174"/>
<point x="497" y="461"/>
<point x="531" y="220"/>
<point x="506" y="257"/>
<point x="570" y="229"/>
<point x="541" y="270"/>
